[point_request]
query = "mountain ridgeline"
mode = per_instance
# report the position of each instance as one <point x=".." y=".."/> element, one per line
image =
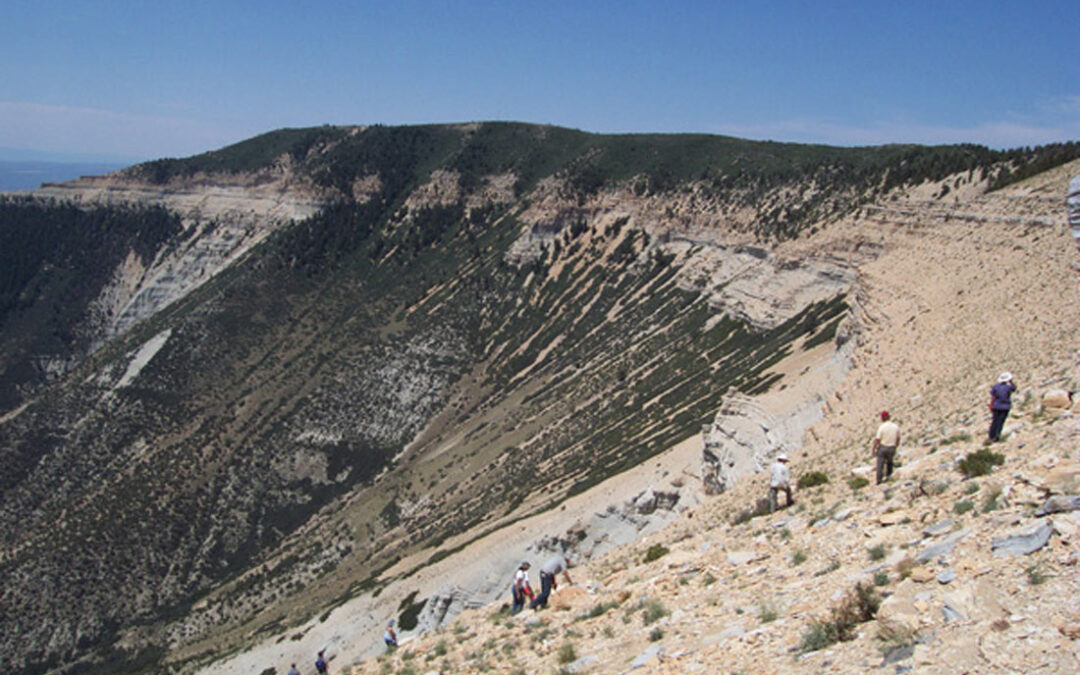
<point x="477" y="321"/>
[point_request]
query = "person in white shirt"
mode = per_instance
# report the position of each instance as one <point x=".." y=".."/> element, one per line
<point x="521" y="588"/>
<point x="779" y="479"/>
<point x="885" y="443"/>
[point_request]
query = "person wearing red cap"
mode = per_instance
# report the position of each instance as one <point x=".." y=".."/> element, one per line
<point x="886" y="441"/>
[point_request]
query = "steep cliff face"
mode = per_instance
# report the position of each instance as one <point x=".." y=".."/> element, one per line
<point x="347" y="345"/>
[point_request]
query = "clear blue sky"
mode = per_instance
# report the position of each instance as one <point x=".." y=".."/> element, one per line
<point x="146" y="78"/>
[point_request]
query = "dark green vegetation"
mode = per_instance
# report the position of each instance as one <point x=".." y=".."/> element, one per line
<point x="384" y="365"/>
<point x="655" y="552"/>
<point x="54" y="258"/>
<point x="813" y="479"/>
<point x="980" y="463"/>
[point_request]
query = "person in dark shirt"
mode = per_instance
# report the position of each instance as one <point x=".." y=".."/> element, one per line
<point x="1000" y="403"/>
<point x="320" y="664"/>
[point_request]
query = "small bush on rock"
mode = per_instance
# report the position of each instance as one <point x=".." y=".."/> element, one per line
<point x="813" y="479"/>
<point x="980" y="463"/>
<point x="858" y="482"/>
<point x="655" y="552"/>
<point x="858" y="606"/>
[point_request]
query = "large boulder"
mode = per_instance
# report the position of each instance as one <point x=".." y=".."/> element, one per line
<point x="1057" y="400"/>
<point x="573" y="597"/>
<point x="1063" y="479"/>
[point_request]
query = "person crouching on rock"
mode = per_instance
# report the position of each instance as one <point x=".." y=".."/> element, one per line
<point x="886" y="441"/>
<point x="521" y="588"/>
<point x="548" y="571"/>
<point x="389" y="636"/>
<point x="1000" y="403"/>
<point x="779" y="479"/>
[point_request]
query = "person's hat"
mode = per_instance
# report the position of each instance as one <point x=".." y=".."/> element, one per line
<point x="782" y="457"/>
<point x="526" y="564"/>
<point x="1005" y="377"/>
<point x="884" y="414"/>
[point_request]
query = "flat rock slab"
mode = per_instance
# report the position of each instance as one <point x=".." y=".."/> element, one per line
<point x="941" y="548"/>
<point x="938" y="528"/>
<point x="1023" y="544"/>
<point x="1059" y="504"/>
<point x="736" y="558"/>
<point x="654" y="652"/>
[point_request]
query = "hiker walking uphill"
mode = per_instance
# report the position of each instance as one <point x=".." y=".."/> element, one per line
<point x="521" y="588"/>
<point x="1000" y="403"/>
<point x="779" y="479"/>
<point x="886" y="440"/>
<point x="548" y="571"/>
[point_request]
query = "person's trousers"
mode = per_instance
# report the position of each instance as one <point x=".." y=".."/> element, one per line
<point x="885" y="457"/>
<point x="546" y="581"/>
<point x="519" y="600"/>
<point x="773" y="498"/>
<point x="997" y="422"/>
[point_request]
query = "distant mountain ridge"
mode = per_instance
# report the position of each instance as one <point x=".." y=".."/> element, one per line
<point x="275" y="369"/>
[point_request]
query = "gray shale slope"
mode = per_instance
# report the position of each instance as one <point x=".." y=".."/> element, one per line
<point x="235" y="387"/>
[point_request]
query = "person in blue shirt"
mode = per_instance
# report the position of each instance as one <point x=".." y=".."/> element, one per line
<point x="320" y="664"/>
<point x="1000" y="403"/>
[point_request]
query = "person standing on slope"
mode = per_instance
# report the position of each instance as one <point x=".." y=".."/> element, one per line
<point x="779" y="479"/>
<point x="320" y="663"/>
<point x="552" y="567"/>
<point x="886" y="440"/>
<point x="1000" y="403"/>
<point x="521" y="588"/>
<point x="293" y="670"/>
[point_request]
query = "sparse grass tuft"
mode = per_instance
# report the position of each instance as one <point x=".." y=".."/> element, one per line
<point x="858" y="606"/>
<point x="798" y="557"/>
<point x="767" y="612"/>
<point x="963" y="506"/>
<point x="567" y="653"/>
<point x="877" y="552"/>
<point x="1035" y="575"/>
<point x="881" y="579"/>
<point x="656" y="634"/>
<point x="990" y="500"/>
<point x="905" y="567"/>
<point x="653" y="611"/>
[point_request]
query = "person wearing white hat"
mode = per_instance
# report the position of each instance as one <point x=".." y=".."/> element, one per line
<point x="779" y="479"/>
<point x="1000" y="403"/>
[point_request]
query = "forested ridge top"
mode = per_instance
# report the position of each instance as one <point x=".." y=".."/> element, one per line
<point x="334" y="156"/>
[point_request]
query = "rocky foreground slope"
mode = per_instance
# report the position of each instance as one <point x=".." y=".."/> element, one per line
<point x="973" y="574"/>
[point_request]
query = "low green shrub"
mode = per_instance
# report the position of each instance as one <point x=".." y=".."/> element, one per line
<point x="980" y="462"/>
<point x="858" y="482"/>
<point x="813" y="479"/>
<point x="655" y="552"/>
